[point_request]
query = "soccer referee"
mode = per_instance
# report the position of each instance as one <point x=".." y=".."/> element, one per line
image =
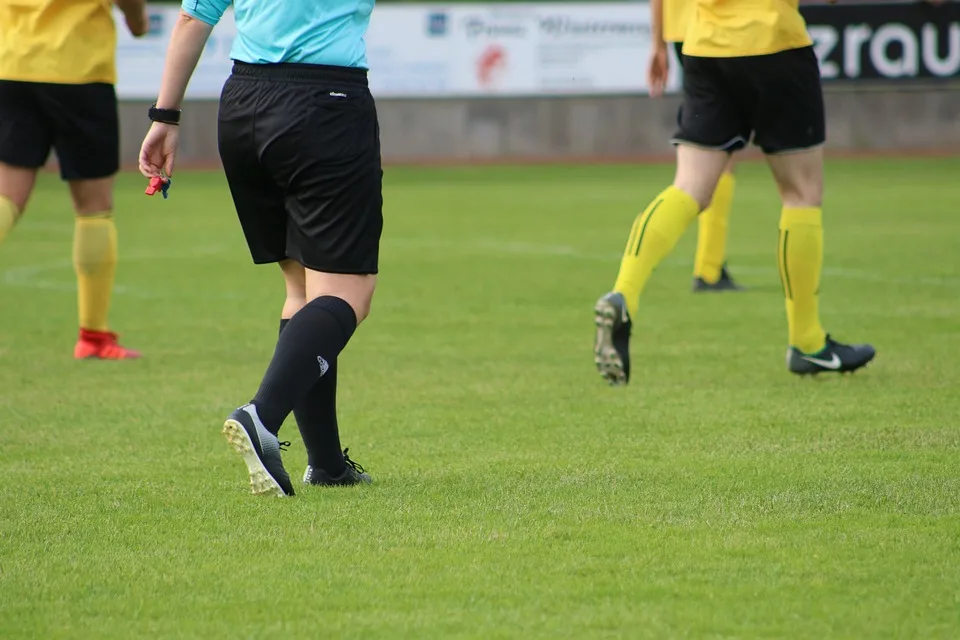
<point x="300" y="145"/>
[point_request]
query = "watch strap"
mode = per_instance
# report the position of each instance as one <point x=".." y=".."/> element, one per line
<point x="166" y="116"/>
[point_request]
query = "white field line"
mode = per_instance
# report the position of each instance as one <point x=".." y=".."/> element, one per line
<point x="39" y="276"/>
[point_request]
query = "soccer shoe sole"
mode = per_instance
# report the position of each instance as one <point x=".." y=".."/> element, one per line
<point x="605" y="356"/>
<point x="261" y="482"/>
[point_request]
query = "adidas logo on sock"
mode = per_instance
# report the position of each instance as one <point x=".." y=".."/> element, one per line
<point x="324" y="365"/>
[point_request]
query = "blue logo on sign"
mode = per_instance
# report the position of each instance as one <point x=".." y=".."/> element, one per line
<point x="437" y="24"/>
<point x="155" y="26"/>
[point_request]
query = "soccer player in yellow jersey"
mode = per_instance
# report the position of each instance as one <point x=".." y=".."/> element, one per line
<point x="749" y="70"/>
<point x="669" y="20"/>
<point x="57" y="76"/>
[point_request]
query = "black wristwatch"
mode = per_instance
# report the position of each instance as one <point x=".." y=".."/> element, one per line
<point x="166" y="116"/>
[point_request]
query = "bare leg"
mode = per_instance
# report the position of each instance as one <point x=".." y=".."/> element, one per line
<point x="356" y="290"/>
<point x="709" y="265"/>
<point x="294" y="279"/>
<point x="799" y="177"/>
<point x="16" y="185"/>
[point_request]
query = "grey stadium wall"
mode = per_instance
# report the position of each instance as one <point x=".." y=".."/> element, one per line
<point x="910" y="118"/>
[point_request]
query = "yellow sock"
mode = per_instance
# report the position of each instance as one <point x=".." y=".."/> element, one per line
<point x="800" y="258"/>
<point x="95" y="263"/>
<point x="8" y="216"/>
<point x="653" y="236"/>
<point x="712" y="232"/>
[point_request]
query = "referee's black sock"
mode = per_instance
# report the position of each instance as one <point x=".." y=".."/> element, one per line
<point x="312" y="339"/>
<point x="316" y="416"/>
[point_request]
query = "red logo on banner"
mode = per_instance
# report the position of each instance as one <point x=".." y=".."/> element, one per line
<point x="490" y="64"/>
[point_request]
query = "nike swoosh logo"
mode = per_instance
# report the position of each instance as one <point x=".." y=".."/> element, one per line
<point x="833" y="363"/>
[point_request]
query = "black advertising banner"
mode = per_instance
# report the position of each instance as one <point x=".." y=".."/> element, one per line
<point x="886" y="41"/>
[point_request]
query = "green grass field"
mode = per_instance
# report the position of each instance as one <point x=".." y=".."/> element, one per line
<point x="515" y="495"/>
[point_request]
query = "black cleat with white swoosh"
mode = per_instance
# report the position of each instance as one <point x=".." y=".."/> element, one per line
<point x="834" y="357"/>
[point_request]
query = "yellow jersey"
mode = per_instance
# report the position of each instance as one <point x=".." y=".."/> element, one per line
<point x="677" y="15"/>
<point x="738" y="28"/>
<point x="58" y="41"/>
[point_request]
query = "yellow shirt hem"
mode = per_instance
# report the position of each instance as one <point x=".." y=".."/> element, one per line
<point x="712" y="52"/>
<point x="13" y="77"/>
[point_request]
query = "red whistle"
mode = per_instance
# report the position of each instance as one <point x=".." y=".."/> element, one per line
<point x="156" y="184"/>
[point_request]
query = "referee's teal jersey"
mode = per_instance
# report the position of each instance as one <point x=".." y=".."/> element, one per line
<point x="326" y="32"/>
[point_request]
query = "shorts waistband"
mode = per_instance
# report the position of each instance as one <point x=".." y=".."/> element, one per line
<point x="299" y="72"/>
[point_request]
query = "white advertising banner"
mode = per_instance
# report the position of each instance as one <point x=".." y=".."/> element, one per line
<point x="537" y="49"/>
<point x="494" y="49"/>
<point x="420" y="51"/>
<point x="140" y="60"/>
<point x="405" y="56"/>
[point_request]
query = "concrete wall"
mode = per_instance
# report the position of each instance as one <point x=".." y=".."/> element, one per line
<point x="861" y="118"/>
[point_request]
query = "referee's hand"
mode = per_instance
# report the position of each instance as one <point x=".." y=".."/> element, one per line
<point x="159" y="149"/>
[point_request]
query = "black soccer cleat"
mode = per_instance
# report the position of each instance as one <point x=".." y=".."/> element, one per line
<point x="834" y="357"/>
<point x="611" y="347"/>
<point x="260" y="449"/>
<point x="724" y="283"/>
<point x="353" y="474"/>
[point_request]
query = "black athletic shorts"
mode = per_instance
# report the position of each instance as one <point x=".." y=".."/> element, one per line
<point x="300" y="146"/>
<point x="777" y="98"/>
<point x="80" y="121"/>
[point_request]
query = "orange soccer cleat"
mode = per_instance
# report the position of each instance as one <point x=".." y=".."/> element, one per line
<point x="102" y="345"/>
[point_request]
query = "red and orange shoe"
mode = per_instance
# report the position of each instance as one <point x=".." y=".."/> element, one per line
<point x="102" y="345"/>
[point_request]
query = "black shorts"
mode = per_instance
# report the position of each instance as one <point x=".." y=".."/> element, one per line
<point x="80" y="121"/>
<point x="300" y="146"/>
<point x="777" y="98"/>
